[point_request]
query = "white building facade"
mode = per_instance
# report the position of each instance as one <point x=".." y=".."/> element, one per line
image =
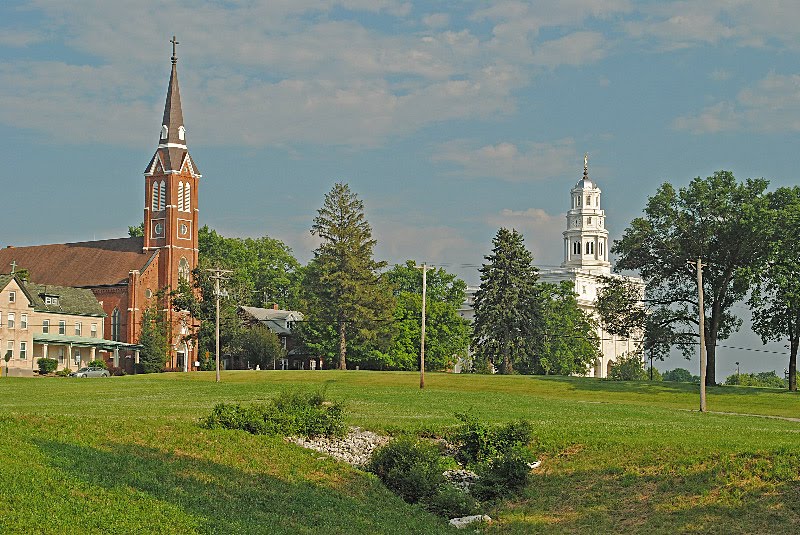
<point x="585" y="247"/>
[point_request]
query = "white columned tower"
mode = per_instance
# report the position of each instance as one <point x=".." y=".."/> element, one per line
<point x="586" y="238"/>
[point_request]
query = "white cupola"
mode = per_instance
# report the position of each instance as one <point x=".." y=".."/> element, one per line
<point x="586" y="238"/>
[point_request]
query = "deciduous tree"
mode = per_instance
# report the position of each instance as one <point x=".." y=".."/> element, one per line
<point x="717" y="219"/>
<point x="775" y="300"/>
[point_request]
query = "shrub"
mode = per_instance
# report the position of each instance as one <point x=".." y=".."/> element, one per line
<point x="504" y="474"/>
<point x="410" y="467"/>
<point x="288" y="414"/>
<point x="763" y="379"/>
<point x="628" y="367"/>
<point x="450" y="502"/>
<point x="64" y="373"/>
<point x="117" y="371"/>
<point x="46" y="365"/>
<point x="98" y="363"/>
<point x="478" y="442"/>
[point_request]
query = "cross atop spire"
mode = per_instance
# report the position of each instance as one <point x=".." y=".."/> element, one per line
<point x="13" y="266"/>
<point x="174" y="55"/>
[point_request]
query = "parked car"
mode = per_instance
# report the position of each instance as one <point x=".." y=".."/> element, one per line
<point x="91" y="372"/>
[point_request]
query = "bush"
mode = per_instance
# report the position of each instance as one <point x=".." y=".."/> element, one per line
<point x="763" y="379"/>
<point x="410" y="467"/>
<point x="505" y="474"/>
<point x="628" y="367"/>
<point x="681" y="375"/>
<point x="117" y="371"/>
<point x="98" y="363"/>
<point x="450" y="502"/>
<point x="46" y="365"/>
<point x="290" y="414"/>
<point x="478" y="442"/>
<point x="64" y="373"/>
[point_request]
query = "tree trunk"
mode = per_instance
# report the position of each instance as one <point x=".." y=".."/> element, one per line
<point x="793" y="363"/>
<point x="342" y="346"/>
<point x="711" y="352"/>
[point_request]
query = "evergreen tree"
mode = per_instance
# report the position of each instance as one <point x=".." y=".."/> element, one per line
<point x="343" y="287"/>
<point x="507" y="306"/>
<point x="154" y="339"/>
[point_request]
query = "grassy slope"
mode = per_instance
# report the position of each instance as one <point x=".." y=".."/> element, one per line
<point x="125" y="454"/>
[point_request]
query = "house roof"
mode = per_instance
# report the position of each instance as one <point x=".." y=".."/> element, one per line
<point x="274" y="320"/>
<point x="81" y="264"/>
<point x="70" y="300"/>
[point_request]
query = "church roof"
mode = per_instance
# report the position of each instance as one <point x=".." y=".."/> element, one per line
<point x="81" y="264"/>
<point x="173" y="114"/>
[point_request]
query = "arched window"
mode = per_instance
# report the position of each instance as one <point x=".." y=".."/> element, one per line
<point x="115" y="325"/>
<point x="164" y="131"/>
<point x="181" y="133"/>
<point x="155" y="196"/>
<point x="180" y="196"/>
<point x="576" y="248"/>
<point x="183" y="269"/>
<point x="588" y="201"/>
<point x="162" y="195"/>
<point x="187" y="197"/>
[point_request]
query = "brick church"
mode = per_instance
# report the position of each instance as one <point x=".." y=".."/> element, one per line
<point x="126" y="274"/>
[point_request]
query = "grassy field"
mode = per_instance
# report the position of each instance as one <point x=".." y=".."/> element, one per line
<point x="125" y="454"/>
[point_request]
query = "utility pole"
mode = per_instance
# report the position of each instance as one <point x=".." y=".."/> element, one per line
<point x="218" y="275"/>
<point x="702" y="321"/>
<point x="424" y="267"/>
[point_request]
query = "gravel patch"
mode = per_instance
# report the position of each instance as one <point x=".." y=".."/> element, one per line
<point x="355" y="448"/>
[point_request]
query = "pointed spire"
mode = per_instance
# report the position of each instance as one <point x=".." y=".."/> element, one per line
<point x="586" y="165"/>
<point x="172" y="131"/>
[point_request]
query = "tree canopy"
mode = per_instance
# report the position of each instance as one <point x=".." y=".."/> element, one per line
<point x="345" y="295"/>
<point x="775" y="299"/>
<point x="446" y="332"/>
<point x="717" y="219"/>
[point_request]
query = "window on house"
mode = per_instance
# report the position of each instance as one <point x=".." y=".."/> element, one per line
<point x="45" y="326"/>
<point x="180" y="196"/>
<point x="78" y="328"/>
<point x="115" y="325"/>
<point x="61" y="355"/>
<point x="10" y="349"/>
<point x="77" y="355"/>
<point x="11" y="320"/>
<point x="23" y="321"/>
<point x="12" y="297"/>
<point x="62" y="327"/>
<point x="23" y="350"/>
<point x="94" y="330"/>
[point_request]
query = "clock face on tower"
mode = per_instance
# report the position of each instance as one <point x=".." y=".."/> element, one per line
<point x="184" y="229"/>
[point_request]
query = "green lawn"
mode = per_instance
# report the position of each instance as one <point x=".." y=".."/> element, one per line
<point x="125" y="454"/>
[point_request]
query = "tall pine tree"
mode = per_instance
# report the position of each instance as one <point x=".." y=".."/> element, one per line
<point x="506" y="304"/>
<point x="344" y="289"/>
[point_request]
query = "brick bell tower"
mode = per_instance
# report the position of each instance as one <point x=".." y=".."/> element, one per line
<point x="171" y="211"/>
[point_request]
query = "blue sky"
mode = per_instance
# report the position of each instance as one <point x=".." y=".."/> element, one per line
<point x="449" y="119"/>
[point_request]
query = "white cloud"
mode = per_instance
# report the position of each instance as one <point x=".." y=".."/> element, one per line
<point x="541" y="230"/>
<point x="434" y="244"/>
<point x="772" y="105"/>
<point x="577" y="48"/>
<point x="507" y="161"/>
<point x="436" y="20"/>
<point x="720" y="75"/>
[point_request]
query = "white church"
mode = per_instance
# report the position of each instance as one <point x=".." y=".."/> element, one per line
<point x="585" y="264"/>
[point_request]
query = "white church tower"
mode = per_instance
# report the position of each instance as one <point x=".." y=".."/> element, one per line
<point x="586" y="263"/>
<point x="586" y="238"/>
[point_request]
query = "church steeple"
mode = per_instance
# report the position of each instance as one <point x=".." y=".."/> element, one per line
<point x="586" y="238"/>
<point x="172" y="130"/>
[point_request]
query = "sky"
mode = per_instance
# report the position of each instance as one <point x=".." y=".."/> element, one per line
<point x="448" y="119"/>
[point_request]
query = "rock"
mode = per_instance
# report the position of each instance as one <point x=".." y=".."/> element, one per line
<point x="460" y="479"/>
<point x="466" y="521"/>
